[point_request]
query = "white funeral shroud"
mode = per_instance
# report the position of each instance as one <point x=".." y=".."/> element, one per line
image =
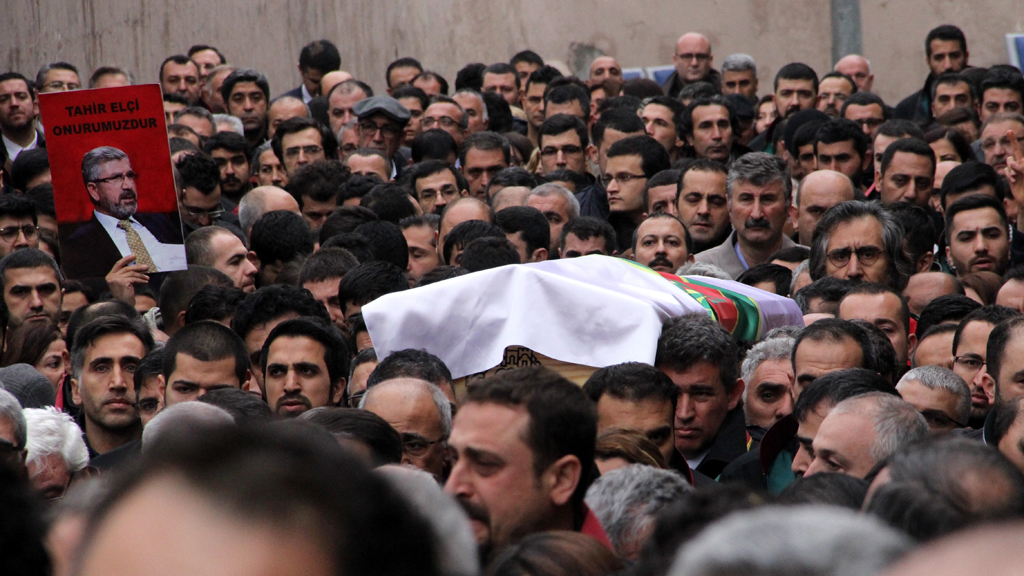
<point x="595" y="311"/>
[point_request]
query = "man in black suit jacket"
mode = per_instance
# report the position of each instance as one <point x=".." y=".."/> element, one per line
<point x="92" y="249"/>
<point x="316" y="59"/>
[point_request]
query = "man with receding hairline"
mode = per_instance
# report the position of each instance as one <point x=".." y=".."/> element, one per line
<point x="693" y="61"/>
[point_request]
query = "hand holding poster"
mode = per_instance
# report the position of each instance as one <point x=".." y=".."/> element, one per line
<point x="113" y="185"/>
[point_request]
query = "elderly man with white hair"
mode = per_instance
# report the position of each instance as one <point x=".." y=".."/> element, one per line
<point x="558" y="205"/>
<point x="54" y="451"/>
<point x="12" y="429"/>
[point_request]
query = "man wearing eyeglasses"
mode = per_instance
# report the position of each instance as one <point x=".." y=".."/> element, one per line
<point x="17" y="224"/>
<point x="970" y="351"/>
<point x="860" y="241"/>
<point x="300" y="141"/>
<point x="693" y="61"/>
<point x="381" y="124"/>
<point x="116" y="229"/>
<point x="420" y="412"/>
<point x="994" y="141"/>
<point x="200" y="202"/>
<point x="631" y="163"/>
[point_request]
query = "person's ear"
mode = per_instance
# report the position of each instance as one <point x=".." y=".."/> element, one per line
<point x="339" y="391"/>
<point x="561" y="479"/>
<point x="76" y="392"/>
<point x="690" y="259"/>
<point x="592" y="153"/>
<point x="911" y="345"/>
<point x="247" y="385"/>
<point x="988" y="384"/>
<point x="161" y="386"/>
<point x="924" y="263"/>
<point x="736" y="393"/>
<point x="539" y="255"/>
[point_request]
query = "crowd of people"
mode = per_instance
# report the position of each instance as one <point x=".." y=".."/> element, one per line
<point x="234" y="418"/>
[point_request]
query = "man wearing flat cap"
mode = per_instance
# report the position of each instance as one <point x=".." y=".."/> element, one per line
<point x="381" y="122"/>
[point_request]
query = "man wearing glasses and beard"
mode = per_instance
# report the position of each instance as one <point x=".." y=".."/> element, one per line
<point x="115" y="229"/>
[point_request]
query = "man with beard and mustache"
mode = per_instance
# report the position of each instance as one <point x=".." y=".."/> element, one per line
<point x="760" y="195"/>
<point x="103" y="360"/>
<point x="115" y="225"/>
<point x="977" y="236"/>
<point x="231" y="153"/>
<point x="833" y="90"/>
<point x="304" y="363"/>
<point x="524" y="458"/>
<point x="662" y="243"/>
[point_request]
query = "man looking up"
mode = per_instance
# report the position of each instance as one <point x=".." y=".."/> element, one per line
<point x="304" y="363"/>
<point x="201" y="357"/>
<point x="103" y="359"/>
<point x="246" y="93"/>
<point x="702" y="360"/>
<point x="703" y="205"/>
<point x="693" y="62"/>
<point x="524" y="458"/>
<point x="760" y="191"/>
<point x="631" y="162"/>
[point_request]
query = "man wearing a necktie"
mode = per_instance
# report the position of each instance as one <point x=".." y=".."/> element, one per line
<point x="116" y="230"/>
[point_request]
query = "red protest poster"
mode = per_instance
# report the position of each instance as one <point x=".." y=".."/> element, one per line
<point x="112" y="180"/>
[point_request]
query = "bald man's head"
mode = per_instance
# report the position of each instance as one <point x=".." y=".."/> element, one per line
<point x="693" y="59"/>
<point x="261" y="200"/>
<point x="857" y="67"/>
<point x="818" y="192"/>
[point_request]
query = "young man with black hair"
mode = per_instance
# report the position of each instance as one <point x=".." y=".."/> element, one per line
<point x="563" y="143"/>
<point x="199" y="195"/>
<point x="481" y="156"/>
<point x="945" y="51"/>
<point x="304" y="363"/>
<point x="230" y="151"/>
<point x="315" y="187"/>
<point x="703" y="204"/>
<point x="587" y="235"/>
<point x="103" y="359"/>
<point x="31" y="282"/>
<point x="367" y="282"/>
<point x="710" y="129"/>
<point x="316" y="59"/>
<point x="977" y="236"/>
<point x="264" y="310"/>
<point x="301" y="141"/>
<point x="528" y="230"/>
<point x="17" y="115"/>
<point x="246" y="94"/>
<point x="970" y="356"/>
<point x="201" y="357"/>
<point x="631" y="163"/>
<point x="532" y="98"/>
<point x="841" y="146"/>
<point x="276" y="239"/>
<point x="18" y="224"/>
<point x="662" y="121"/>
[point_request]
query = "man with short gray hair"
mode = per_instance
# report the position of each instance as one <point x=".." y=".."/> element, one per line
<point x="739" y="76"/>
<point x="626" y="502"/>
<point x="420" y="412"/>
<point x="760" y="193"/>
<point x="939" y="394"/>
<point x="767" y="374"/>
<point x="862" y="431"/>
<point x="559" y="206"/>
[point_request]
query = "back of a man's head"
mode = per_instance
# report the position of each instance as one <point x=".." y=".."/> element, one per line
<point x="179" y="288"/>
<point x="273" y="302"/>
<point x="693" y="339"/>
<point x="411" y="363"/>
<point x="633" y="381"/>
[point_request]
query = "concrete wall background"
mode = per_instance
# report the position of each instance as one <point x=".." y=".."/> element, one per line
<point x="446" y="34"/>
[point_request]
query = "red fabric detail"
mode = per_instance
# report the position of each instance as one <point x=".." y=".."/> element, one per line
<point x="592" y="527"/>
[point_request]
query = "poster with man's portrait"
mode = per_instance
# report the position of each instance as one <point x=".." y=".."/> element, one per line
<point x="113" y="184"/>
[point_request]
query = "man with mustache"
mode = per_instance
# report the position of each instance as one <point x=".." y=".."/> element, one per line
<point x="231" y="153"/>
<point x="524" y="458"/>
<point x="977" y="237"/>
<point x="103" y="361"/>
<point x="116" y="230"/>
<point x="759" y="190"/>
<point x="662" y="243"/>
<point x="305" y="363"/>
